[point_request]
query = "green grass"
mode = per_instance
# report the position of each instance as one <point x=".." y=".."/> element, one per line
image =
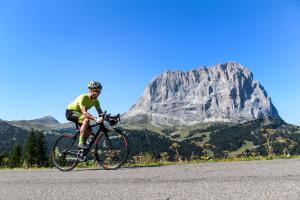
<point x="159" y="163"/>
<point x="149" y="126"/>
<point x="246" y="146"/>
<point x="253" y="158"/>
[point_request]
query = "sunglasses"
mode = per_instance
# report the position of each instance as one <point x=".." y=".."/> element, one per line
<point x="96" y="91"/>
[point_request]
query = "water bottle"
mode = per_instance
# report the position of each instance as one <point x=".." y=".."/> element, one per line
<point x="89" y="140"/>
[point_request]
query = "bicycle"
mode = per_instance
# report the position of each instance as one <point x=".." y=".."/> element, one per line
<point x="111" y="146"/>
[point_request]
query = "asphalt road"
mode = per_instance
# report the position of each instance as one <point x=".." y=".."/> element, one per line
<point x="277" y="179"/>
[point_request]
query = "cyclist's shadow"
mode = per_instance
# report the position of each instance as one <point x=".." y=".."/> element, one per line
<point x="97" y="169"/>
<point x="122" y="168"/>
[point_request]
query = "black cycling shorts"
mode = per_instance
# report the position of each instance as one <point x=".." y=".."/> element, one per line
<point x="73" y="116"/>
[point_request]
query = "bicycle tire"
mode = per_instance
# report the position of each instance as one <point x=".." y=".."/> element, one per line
<point x="65" y="145"/>
<point x="112" y="157"/>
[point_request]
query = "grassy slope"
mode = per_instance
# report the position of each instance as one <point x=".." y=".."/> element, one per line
<point x="240" y="134"/>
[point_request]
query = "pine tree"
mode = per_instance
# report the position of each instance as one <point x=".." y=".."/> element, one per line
<point x="41" y="150"/>
<point x="4" y="160"/>
<point x="1" y="157"/>
<point x="30" y="149"/>
<point x="15" y="156"/>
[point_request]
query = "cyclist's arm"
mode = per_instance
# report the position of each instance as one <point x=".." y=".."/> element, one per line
<point x="99" y="110"/>
<point x="86" y="114"/>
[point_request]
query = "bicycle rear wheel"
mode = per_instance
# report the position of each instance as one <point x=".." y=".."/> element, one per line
<point x="64" y="152"/>
<point x="112" y="149"/>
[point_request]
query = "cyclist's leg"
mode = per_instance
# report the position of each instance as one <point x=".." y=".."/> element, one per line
<point x="85" y="130"/>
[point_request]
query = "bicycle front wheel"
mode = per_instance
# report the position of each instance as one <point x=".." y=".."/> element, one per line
<point x="112" y="149"/>
<point x="64" y="152"/>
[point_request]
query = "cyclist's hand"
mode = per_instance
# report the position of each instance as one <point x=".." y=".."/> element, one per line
<point x="113" y="122"/>
<point x="100" y="120"/>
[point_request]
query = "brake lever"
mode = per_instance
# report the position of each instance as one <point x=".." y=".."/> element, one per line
<point x="108" y="115"/>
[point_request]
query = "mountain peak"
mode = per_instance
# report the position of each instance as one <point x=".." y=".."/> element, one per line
<point x="221" y="93"/>
<point x="47" y="120"/>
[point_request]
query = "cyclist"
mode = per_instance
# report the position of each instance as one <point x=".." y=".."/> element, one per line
<point x="77" y="111"/>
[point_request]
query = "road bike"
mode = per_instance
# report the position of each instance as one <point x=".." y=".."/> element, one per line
<point x="111" y="146"/>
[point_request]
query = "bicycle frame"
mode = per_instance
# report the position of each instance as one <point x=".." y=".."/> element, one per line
<point x="101" y="131"/>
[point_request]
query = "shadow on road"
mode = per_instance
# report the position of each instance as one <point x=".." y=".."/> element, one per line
<point x="122" y="168"/>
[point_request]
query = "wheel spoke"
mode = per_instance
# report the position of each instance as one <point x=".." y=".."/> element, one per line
<point x="64" y="154"/>
<point x="112" y="150"/>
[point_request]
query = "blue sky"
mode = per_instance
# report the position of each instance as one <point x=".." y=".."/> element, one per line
<point x="50" y="50"/>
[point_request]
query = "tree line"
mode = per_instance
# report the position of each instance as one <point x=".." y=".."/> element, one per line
<point x="32" y="154"/>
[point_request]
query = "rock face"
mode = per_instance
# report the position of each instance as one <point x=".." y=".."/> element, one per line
<point x="223" y="93"/>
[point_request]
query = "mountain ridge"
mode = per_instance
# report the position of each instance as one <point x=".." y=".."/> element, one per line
<point x="46" y="120"/>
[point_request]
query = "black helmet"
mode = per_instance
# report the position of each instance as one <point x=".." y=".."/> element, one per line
<point x="94" y="85"/>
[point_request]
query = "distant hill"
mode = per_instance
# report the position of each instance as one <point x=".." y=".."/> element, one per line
<point x="46" y="120"/>
<point x="10" y="135"/>
<point x="211" y="139"/>
<point x="230" y="139"/>
<point x="46" y="123"/>
<point x="12" y="132"/>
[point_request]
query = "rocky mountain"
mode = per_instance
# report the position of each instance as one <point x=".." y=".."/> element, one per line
<point x="222" y="93"/>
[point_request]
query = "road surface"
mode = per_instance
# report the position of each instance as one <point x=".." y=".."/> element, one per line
<point x="276" y="179"/>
